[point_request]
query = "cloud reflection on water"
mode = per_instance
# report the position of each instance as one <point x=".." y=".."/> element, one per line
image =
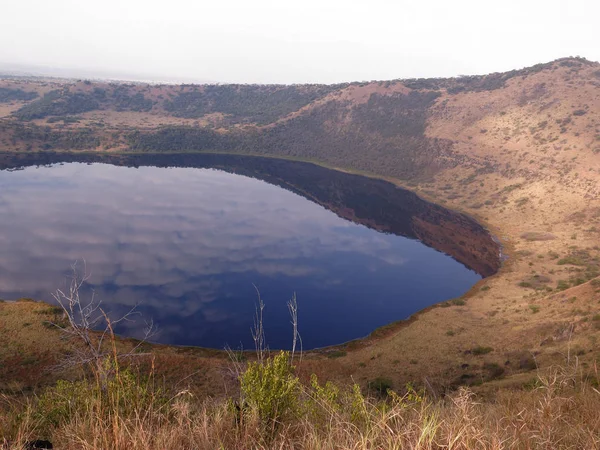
<point x="189" y="243"/>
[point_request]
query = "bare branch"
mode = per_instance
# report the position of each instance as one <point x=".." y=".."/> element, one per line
<point x="258" y="331"/>
<point x="83" y="317"/>
<point x="293" y="309"/>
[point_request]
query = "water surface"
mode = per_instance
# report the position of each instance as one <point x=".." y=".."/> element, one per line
<point x="191" y="245"/>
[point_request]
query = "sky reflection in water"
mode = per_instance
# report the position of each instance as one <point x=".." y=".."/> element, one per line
<point x="188" y="245"/>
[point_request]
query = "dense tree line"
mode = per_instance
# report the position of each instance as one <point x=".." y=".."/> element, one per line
<point x="246" y="103"/>
<point x="64" y="102"/>
<point x="490" y="82"/>
<point x="125" y="101"/>
<point x="58" y="103"/>
<point x="47" y="138"/>
<point x="10" y="95"/>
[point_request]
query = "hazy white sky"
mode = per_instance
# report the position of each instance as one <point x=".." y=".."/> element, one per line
<point x="296" y="41"/>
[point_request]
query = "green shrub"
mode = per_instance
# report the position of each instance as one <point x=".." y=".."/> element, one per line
<point x="534" y="383"/>
<point x="380" y="386"/>
<point x="480" y="350"/>
<point x="572" y="260"/>
<point x="358" y="406"/>
<point x="114" y="393"/>
<point x="271" y="388"/>
<point x="51" y="310"/>
<point x="494" y="370"/>
<point x="61" y="402"/>
<point x="322" y="399"/>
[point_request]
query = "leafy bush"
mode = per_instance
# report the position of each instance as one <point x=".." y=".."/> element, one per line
<point x="60" y="403"/>
<point x="322" y="400"/>
<point x="271" y="388"/>
<point x="124" y="394"/>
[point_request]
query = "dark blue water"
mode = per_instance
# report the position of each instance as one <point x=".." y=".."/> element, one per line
<point x="189" y="245"/>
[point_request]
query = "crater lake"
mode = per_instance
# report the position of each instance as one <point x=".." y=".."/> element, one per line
<point x="190" y="240"/>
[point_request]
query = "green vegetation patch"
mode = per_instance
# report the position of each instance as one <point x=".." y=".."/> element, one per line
<point x="481" y="350"/>
<point x="380" y="386"/>
<point x="124" y="100"/>
<point x="51" y="310"/>
<point x="245" y="103"/>
<point x="390" y="115"/>
<point x="58" y="103"/>
<point x="47" y="138"/>
<point x="573" y="260"/>
<point x="494" y="370"/>
<point x="537" y="236"/>
<point x="10" y="95"/>
<point x="537" y="282"/>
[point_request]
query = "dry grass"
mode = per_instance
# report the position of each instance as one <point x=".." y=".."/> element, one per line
<point x="560" y="411"/>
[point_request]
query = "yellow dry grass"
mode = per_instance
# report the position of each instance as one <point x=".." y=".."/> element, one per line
<point x="559" y="411"/>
